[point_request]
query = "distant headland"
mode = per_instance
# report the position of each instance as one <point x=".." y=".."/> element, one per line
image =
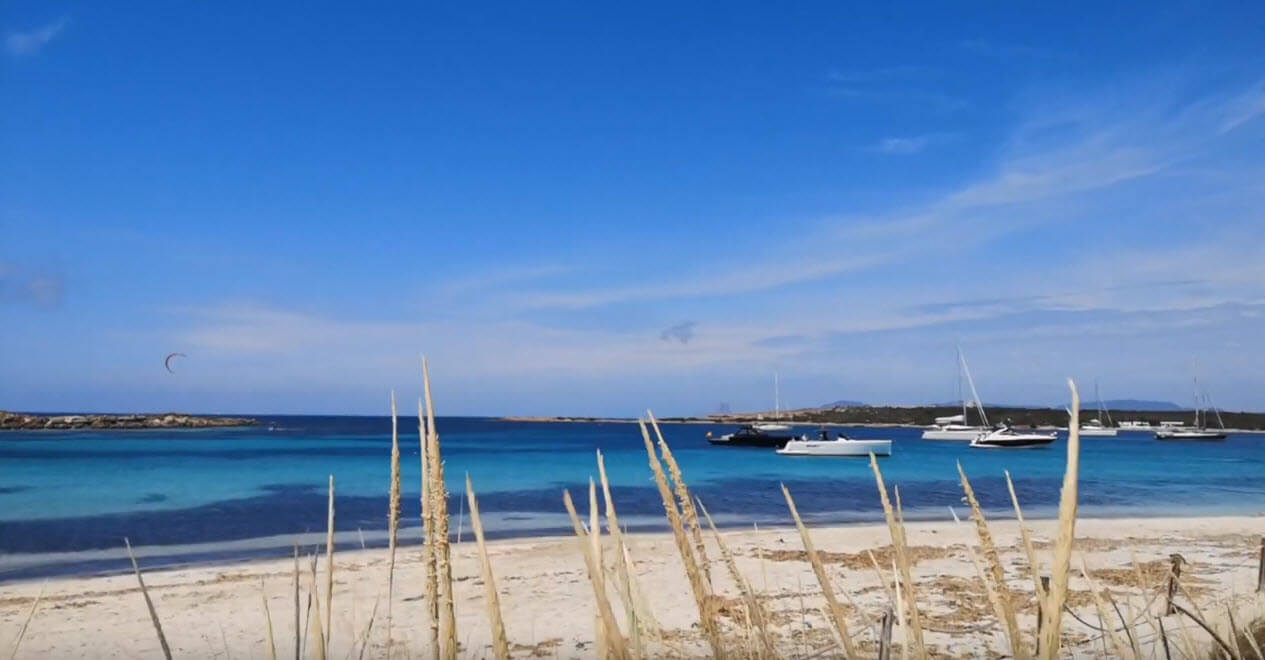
<point x="866" y="415"/>
<point x="28" y="422"/>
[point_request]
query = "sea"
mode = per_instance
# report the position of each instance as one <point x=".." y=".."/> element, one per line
<point x="68" y="499"/>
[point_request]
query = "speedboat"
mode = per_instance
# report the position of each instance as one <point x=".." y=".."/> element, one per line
<point x="753" y="435"/>
<point x="952" y="428"/>
<point x="840" y="446"/>
<point x="1008" y="438"/>
<point x="1188" y="433"/>
<point x="1094" y="428"/>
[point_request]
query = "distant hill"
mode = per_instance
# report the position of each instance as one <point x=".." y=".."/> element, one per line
<point x="843" y="403"/>
<point x="1109" y="404"/>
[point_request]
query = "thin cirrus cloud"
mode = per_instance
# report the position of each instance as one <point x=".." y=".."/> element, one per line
<point x="21" y="44"/>
<point x="909" y="145"/>
<point x="1034" y="183"/>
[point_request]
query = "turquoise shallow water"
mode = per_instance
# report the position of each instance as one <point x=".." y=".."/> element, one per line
<point x="68" y="498"/>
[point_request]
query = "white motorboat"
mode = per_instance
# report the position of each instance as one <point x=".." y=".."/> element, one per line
<point x="769" y="427"/>
<point x="955" y="427"/>
<point x="840" y="446"/>
<point x="1008" y="438"/>
<point x="1199" y="431"/>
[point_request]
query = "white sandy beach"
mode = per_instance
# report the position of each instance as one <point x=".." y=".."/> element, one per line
<point x="218" y="610"/>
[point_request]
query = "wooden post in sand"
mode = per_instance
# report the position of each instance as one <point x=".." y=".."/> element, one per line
<point x="1260" y="571"/>
<point x="885" y="636"/>
<point x="1175" y="574"/>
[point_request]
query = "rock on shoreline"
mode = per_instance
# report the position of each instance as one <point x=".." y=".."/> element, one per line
<point x="23" y="422"/>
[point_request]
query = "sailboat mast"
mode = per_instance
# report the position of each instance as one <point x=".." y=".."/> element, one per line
<point x="1195" y="380"/>
<point x="970" y="381"/>
<point x="961" y="396"/>
<point x="777" y="398"/>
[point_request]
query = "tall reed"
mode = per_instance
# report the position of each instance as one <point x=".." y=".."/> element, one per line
<point x="837" y="616"/>
<point x="689" y="516"/>
<point x="996" y="574"/>
<point x="896" y="528"/>
<point x="702" y="595"/>
<point x="393" y="516"/>
<point x="149" y="603"/>
<point x="17" y="641"/>
<point x="614" y="640"/>
<point x="1052" y="622"/>
<point x="329" y="566"/>
<point x="446" y="608"/>
<point x="500" y="645"/>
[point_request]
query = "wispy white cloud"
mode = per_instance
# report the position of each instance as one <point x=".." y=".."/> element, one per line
<point x="19" y="44"/>
<point x="26" y="286"/>
<point x="912" y="144"/>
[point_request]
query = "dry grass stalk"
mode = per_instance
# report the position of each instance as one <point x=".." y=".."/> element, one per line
<point x="445" y="609"/>
<point x="999" y="593"/>
<point x="595" y="542"/>
<point x="614" y="641"/>
<point x="149" y="604"/>
<point x="836" y="611"/>
<point x="1120" y="649"/>
<point x="702" y="595"/>
<point x="896" y="527"/>
<point x="364" y="637"/>
<point x="1052" y="625"/>
<point x="1034" y="566"/>
<point x="638" y="617"/>
<point x="393" y="515"/>
<point x="431" y="603"/>
<point x="500" y="645"/>
<point x="689" y="514"/>
<point x="298" y="625"/>
<point x="17" y="641"/>
<point x="316" y="602"/>
<point x="272" y="643"/>
<point x="755" y="611"/>
<point x="329" y="566"/>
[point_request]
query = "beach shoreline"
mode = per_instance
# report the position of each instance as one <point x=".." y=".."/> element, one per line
<point x="542" y="585"/>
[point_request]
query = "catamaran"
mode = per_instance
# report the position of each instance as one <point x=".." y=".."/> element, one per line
<point x="955" y="427"/>
<point x="842" y="445"/>
<point x="1197" y="432"/>
<point x="1095" y="426"/>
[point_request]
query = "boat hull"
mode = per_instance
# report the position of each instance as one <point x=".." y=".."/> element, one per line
<point x="1012" y="443"/>
<point x="839" y="448"/>
<point x="774" y="441"/>
<point x="952" y="434"/>
<point x="1196" y="436"/>
<point x="1098" y="433"/>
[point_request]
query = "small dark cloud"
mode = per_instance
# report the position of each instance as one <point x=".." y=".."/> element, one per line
<point x="682" y="332"/>
<point x="23" y="286"/>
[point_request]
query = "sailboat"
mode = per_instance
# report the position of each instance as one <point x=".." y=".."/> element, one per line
<point x="1199" y="430"/>
<point x="955" y="427"/>
<point x="1095" y="427"/>
<point x="777" y="426"/>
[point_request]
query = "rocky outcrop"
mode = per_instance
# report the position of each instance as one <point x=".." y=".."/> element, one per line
<point x="23" y="421"/>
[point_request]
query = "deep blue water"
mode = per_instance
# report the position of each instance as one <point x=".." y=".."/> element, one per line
<point x="67" y="499"/>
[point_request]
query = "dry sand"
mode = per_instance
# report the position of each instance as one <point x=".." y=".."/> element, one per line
<point x="217" y="610"/>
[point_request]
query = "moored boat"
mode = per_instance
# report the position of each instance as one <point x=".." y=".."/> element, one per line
<point x="1200" y="432"/>
<point x="955" y="427"/>
<point x="839" y="446"/>
<point x="1008" y="438"/>
<point x="751" y="435"/>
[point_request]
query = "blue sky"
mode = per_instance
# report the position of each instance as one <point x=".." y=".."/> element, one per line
<point x="589" y="209"/>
